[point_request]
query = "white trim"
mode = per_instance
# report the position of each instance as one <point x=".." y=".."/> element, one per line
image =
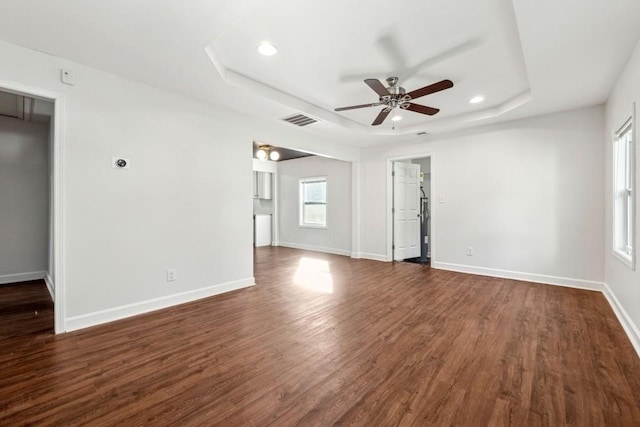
<point x="628" y="259"/>
<point x="59" y="238"/>
<point x="321" y="227"/>
<point x="275" y="221"/>
<point x="316" y="248"/>
<point x="50" y="287"/>
<point x="57" y="196"/>
<point x="373" y="257"/>
<point x="434" y="209"/>
<point x="629" y="327"/>
<point x="517" y="275"/>
<point x="355" y="208"/>
<point x="21" y="277"/>
<point x="117" y="313"/>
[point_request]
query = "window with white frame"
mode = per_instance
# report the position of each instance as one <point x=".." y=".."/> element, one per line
<point x="624" y="194"/>
<point x="313" y="202"/>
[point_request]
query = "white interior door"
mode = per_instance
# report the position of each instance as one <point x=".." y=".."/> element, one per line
<point x="406" y="215"/>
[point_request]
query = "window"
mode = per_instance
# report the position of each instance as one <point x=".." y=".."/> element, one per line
<point x="624" y="194"/>
<point x="313" y="202"/>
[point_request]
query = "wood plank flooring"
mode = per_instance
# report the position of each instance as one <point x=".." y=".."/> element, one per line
<point x="324" y="340"/>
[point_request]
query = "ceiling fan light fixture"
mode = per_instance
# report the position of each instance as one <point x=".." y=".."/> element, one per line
<point x="267" y="49"/>
<point x="396" y="118"/>
<point x="476" y="99"/>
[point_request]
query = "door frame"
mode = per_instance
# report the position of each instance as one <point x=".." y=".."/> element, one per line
<point x="56" y="196"/>
<point x="389" y="210"/>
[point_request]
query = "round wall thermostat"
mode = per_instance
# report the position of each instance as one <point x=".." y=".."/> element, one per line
<point x="121" y="163"/>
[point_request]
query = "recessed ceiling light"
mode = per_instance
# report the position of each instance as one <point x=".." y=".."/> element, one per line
<point x="267" y="49"/>
<point x="476" y="99"/>
<point x="396" y="118"/>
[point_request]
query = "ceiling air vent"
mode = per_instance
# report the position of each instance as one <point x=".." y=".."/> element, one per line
<point x="299" y="120"/>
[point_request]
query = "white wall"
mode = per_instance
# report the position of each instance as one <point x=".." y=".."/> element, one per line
<point x="185" y="203"/>
<point x="336" y="238"/>
<point x="265" y="166"/>
<point x="527" y="195"/>
<point x="623" y="283"/>
<point x="24" y="199"/>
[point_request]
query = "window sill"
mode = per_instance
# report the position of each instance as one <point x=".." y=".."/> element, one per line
<point x="321" y="227"/>
<point x="627" y="260"/>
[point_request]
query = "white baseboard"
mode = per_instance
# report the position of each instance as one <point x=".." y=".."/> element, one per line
<point x="516" y="275"/>
<point x="109" y="315"/>
<point x="315" y="248"/>
<point x="627" y="324"/>
<point x="373" y="257"/>
<point x="21" y="277"/>
<point x="50" y="286"/>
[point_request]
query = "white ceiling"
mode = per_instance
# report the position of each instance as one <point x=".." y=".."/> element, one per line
<point x="526" y="57"/>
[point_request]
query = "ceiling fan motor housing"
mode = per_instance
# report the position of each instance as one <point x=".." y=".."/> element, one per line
<point x="396" y="94"/>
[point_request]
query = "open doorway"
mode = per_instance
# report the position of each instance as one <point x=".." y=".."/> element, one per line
<point x="410" y="206"/>
<point x="314" y="200"/>
<point x="266" y="158"/>
<point x="30" y="216"/>
<point x="25" y="216"/>
<point x="424" y="210"/>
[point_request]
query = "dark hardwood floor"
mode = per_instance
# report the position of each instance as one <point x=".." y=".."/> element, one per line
<point x="325" y="340"/>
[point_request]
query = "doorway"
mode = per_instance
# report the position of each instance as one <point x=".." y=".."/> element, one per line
<point x="337" y="231"/>
<point x="409" y="227"/>
<point x="30" y="153"/>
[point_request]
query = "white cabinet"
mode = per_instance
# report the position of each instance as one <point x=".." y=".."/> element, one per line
<point x="262" y="185"/>
<point x="262" y="230"/>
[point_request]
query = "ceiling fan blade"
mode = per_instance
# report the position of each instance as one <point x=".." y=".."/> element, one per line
<point x="377" y="87"/>
<point x="456" y="50"/>
<point x="353" y="107"/>
<point x="393" y="50"/>
<point x="383" y="115"/>
<point x="417" y="108"/>
<point x="436" y="87"/>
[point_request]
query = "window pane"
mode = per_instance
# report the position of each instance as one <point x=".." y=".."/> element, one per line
<point x="629" y="217"/>
<point x="313" y="202"/>
<point x="623" y="182"/>
<point x="315" y="214"/>
<point x="315" y="192"/>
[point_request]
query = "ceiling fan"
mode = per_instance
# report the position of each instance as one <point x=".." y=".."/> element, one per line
<point x="396" y="96"/>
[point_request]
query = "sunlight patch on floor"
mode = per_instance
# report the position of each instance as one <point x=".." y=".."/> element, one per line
<point x="315" y="275"/>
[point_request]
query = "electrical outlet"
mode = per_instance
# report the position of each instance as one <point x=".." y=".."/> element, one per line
<point x="171" y="275"/>
<point x="469" y="251"/>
